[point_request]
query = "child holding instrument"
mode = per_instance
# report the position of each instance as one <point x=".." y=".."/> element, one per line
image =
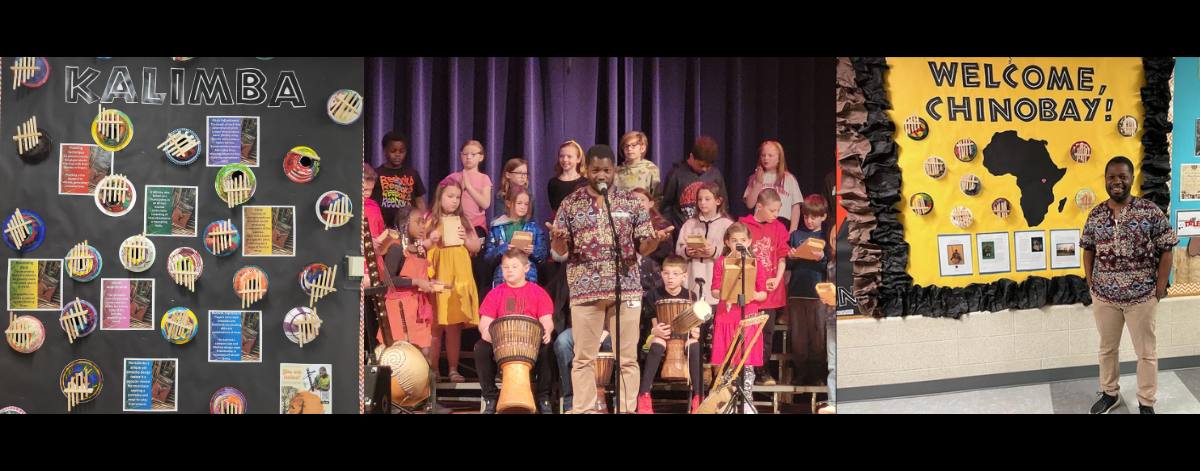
<point x="729" y="314"/>
<point x="769" y="244"/>
<point x="806" y="323"/>
<point x="409" y="308"/>
<point x="674" y="269"/>
<point x="516" y="297"/>
<point x="504" y="228"/>
<point x="458" y="304"/>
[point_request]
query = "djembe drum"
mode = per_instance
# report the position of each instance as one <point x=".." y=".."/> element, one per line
<point x="515" y="344"/>
<point x="675" y="365"/>
<point x="410" y="373"/>
<point x="604" y="375"/>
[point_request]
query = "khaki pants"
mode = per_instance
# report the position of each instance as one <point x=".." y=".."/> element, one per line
<point x="1110" y="321"/>
<point x="588" y="321"/>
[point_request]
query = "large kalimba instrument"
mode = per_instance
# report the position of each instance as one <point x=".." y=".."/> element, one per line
<point x="516" y="340"/>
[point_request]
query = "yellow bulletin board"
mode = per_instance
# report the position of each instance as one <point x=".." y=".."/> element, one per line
<point x="1056" y="100"/>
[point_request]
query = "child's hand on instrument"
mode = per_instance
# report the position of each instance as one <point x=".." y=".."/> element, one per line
<point x="528" y="249"/>
<point x="423" y="286"/>
<point x="435" y="236"/>
<point x="662" y="331"/>
<point x="462" y="233"/>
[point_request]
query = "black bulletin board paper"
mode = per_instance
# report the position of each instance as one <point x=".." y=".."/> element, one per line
<point x="31" y="380"/>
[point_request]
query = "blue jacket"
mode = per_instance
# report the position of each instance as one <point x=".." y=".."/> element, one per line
<point x="496" y="245"/>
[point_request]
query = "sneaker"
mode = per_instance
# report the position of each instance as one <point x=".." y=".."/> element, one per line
<point x="544" y="407"/>
<point x="1145" y="409"/>
<point x="489" y="406"/>
<point x="644" y="404"/>
<point x="695" y="403"/>
<point x="1106" y="403"/>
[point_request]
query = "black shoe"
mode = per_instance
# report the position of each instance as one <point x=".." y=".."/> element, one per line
<point x="1106" y="403"/>
<point x="1145" y="409"/>
<point x="489" y="406"/>
<point x="544" y="407"/>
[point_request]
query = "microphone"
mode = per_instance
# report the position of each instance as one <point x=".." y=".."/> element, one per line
<point x="742" y="248"/>
<point x="602" y="187"/>
<point x="699" y="281"/>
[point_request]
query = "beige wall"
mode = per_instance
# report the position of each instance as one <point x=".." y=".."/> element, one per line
<point x="904" y="350"/>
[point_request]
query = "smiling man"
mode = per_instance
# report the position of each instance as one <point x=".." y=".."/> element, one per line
<point x="1127" y="261"/>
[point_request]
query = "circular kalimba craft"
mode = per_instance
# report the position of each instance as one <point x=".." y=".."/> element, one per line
<point x="12" y="410"/>
<point x="1127" y="126"/>
<point x="33" y="143"/>
<point x="227" y="400"/>
<point x="961" y="217"/>
<point x="78" y="319"/>
<point x="916" y="128"/>
<point x="970" y="184"/>
<point x="1081" y="151"/>
<point x="935" y="167"/>
<point x="182" y="146"/>
<point x="80" y="381"/>
<point x="185" y="266"/>
<point x="115" y="195"/>
<point x="179" y="325"/>
<point x="301" y="164"/>
<point x="83" y="262"/>
<point x="221" y="238"/>
<point x="235" y="184"/>
<point x="25" y="334"/>
<point x="334" y="209"/>
<point x="1085" y="199"/>
<point x="30" y="72"/>
<point x="137" y="253"/>
<point x="1001" y="208"/>
<point x="301" y="325"/>
<point x="112" y="129"/>
<point x="317" y="281"/>
<point x="344" y="106"/>
<point x="965" y="150"/>
<point x="24" y="230"/>
<point x="921" y="203"/>
<point x="250" y="283"/>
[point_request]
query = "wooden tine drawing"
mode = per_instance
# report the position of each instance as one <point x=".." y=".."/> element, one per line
<point x="323" y="286"/>
<point x="237" y="189"/>
<point x="178" y="144"/>
<point x="222" y="236"/>
<point x="79" y="260"/>
<point x="77" y="390"/>
<point x="23" y="69"/>
<point x="18" y="228"/>
<point x="338" y="213"/>
<point x="74" y="320"/>
<point x="27" y="135"/>
<point x="345" y="106"/>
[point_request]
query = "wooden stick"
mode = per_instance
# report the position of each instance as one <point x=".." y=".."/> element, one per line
<point x="178" y="144"/>
<point x="27" y="135"/>
<point x="179" y="326"/>
<point x="338" y="213"/>
<point x="308" y="326"/>
<point x="345" y="106"/>
<point x="23" y="69"/>
<point x="237" y="190"/>
<point x="74" y="320"/>
<point x="222" y="236"/>
<point x="323" y="286"/>
<point x="19" y="228"/>
<point x="252" y="291"/>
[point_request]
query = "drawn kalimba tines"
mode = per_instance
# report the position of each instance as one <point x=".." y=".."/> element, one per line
<point x="970" y="184"/>
<point x="110" y="125"/>
<point x="921" y="203"/>
<point x="77" y="390"/>
<point x="323" y="286"/>
<point x="965" y="150"/>
<point x="23" y="69"/>
<point x="74" y="320"/>
<point x="253" y="289"/>
<point x="237" y="189"/>
<point x="18" y="228"/>
<point x="1085" y="198"/>
<point x="179" y="143"/>
<point x="27" y="135"/>
<point x="113" y="188"/>
<point x="136" y="250"/>
<point x="79" y="260"/>
<point x="961" y="217"/>
<point x="184" y="272"/>
<point x="935" y="167"/>
<point x="1001" y="208"/>
<point x="345" y="106"/>
<point x="1081" y="151"/>
<point x="179" y="326"/>
<point x="308" y="327"/>
<point x="916" y="127"/>
<point x="338" y="213"/>
<point x="21" y="335"/>
<point x="222" y="236"/>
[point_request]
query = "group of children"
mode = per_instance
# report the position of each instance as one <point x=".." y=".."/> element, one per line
<point x="447" y="253"/>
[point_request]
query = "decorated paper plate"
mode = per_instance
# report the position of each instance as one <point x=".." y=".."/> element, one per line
<point x="334" y="209"/>
<point x="25" y="334"/>
<point x="344" y="106"/>
<point x="921" y="203"/>
<point x="1081" y="151"/>
<point x="1085" y="198"/>
<point x="83" y="262"/>
<point x="178" y="269"/>
<point x="12" y="410"/>
<point x="961" y="217"/>
<point x="81" y="316"/>
<point x="221" y="238"/>
<point x="227" y="401"/>
<point x="137" y="253"/>
<point x="935" y="167"/>
<point x="301" y="164"/>
<point x="1001" y="207"/>
<point x="32" y="142"/>
<point x="115" y="195"/>
<point x="1127" y="126"/>
<point x="182" y="146"/>
<point x="916" y="128"/>
<point x="179" y="325"/>
<point x="965" y="150"/>
<point x="24" y="233"/>
<point x="970" y="185"/>
<point x="91" y="380"/>
<point x="301" y="325"/>
<point x="235" y="184"/>
<point x="112" y="129"/>
<point x="31" y="72"/>
<point x="310" y="275"/>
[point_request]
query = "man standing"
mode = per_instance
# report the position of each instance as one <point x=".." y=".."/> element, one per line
<point x="1127" y="260"/>
<point x="582" y="236"/>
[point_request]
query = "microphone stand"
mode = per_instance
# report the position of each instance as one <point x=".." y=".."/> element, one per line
<point x="738" y="388"/>
<point x="617" y="289"/>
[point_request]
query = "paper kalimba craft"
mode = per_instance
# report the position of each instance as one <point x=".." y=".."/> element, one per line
<point x="961" y="217"/>
<point x="185" y="265"/>
<point x="318" y="280"/>
<point x="450" y="226"/>
<point x="115" y="195"/>
<point x="301" y="325"/>
<point x="83" y="262"/>
<point x="78" y="319"/>
<point x="965" y="150"/>
<point x="24" y="230"/>
<point x="227" y="400"/>
<point x="970" y="185"/>
<point x="1001" y="208"/>
<point x="344" y="106"/>
<point x="221" y="238"/>
<point x="731" y="282"/>
<point x="80" y="381"/>
<point x="182" y="146"/>
<point x="1127" y="126"/>
<point x="33" y="143"/>
<point x="235" y="184"/>
<point x="921" y="203"/>
<point x="916" y="128"/>
<point x="250" y="283"/>
<point x="25" y="334"/>
<point x="179" y="325"/>
<point x="32" y="72"/>
<point x="112" y="129"/>
<point x="935" y="167"/>
<point x="1081" y="151"/>
<point x="137" y="253"/>
<point x="334" y="209"/>
<point x="1086" y="199"/>
<point x="301" y="164"/>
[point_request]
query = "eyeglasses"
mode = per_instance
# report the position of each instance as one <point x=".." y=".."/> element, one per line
<point x="630" y="146"/>
<point x="519" y="173"/>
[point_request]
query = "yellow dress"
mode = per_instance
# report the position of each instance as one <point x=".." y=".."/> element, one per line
<point x="459" y="302"/>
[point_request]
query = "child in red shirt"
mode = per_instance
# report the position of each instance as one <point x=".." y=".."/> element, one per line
<point x="769" y="245"/>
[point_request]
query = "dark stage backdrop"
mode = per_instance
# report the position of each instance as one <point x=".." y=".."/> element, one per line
<point x="528" y="106"/>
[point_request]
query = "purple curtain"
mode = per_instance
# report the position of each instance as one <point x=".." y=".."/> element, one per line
<point x="527" y="106"/>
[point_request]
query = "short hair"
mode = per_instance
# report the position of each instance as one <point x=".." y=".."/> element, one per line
<point x="768" y="195"/>
<point x="705" y="149"/>
<point x="515" y="254"/>
<point x="393" y="136"/>
<point x="633" y="135"/>
<point x="675" y="261"/>
<point x="814" y="205"/>
<point x="1120" y="159"/>
<point x="599" y="152"/>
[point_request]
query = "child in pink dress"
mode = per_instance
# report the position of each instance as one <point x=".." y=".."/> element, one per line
<point x="725" y="322"/>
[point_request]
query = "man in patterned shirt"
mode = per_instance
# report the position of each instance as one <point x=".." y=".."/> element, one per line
<point x="583" y="237"/>
<point x="1127" y="261"/>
